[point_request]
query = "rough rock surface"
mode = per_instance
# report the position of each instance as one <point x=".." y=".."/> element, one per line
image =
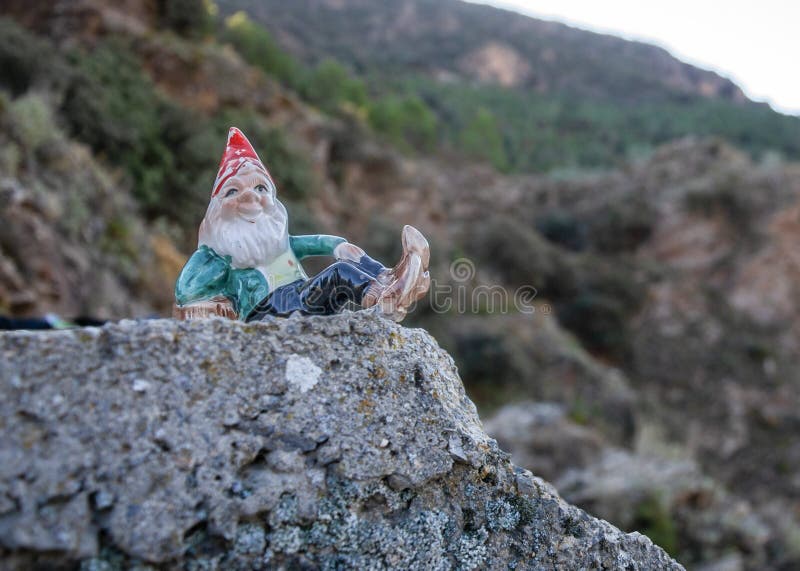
<point x="339" y="442"/>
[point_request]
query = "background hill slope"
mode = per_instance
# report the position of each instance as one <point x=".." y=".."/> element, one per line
<point x="476" y="42"/>
<point x="553" y="96"/>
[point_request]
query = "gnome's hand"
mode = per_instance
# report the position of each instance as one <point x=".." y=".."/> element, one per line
<point x="349" y="252"/>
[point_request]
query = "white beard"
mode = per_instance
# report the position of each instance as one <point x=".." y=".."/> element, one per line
<point x="249" y="244"/>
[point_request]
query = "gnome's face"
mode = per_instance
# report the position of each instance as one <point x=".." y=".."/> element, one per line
<point x="245" y="220"/>
<point x="248" y="194"/>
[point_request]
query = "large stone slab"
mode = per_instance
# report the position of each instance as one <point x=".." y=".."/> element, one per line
<point x="328" y="442"/>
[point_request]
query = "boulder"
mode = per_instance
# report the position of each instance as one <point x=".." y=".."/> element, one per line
<point x="541" y="437"/>
<point x="655" y="488"/>
<point x="323" y="442"/>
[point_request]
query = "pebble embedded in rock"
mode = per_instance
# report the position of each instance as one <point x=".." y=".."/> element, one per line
<point x="140" y="385"/>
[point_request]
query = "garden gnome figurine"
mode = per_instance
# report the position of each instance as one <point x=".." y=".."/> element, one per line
<point x="247" y="265"/>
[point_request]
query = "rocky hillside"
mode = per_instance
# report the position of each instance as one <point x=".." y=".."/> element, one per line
<point x="324" y="443"/>
<point x="450" y="38"/>
<point x="524" y="94"/>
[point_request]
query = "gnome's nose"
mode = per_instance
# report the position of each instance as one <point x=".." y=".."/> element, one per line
<point x="248" y="197"/>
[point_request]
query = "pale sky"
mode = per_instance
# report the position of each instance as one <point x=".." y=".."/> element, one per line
<point x="756" y="44"/>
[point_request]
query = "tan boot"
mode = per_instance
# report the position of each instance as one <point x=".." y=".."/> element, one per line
<point x="396" y="289"/>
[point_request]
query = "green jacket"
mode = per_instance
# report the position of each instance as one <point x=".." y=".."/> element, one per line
<point x="208" y="275"/>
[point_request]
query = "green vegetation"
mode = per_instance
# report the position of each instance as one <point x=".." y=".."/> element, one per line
<point x="589" y="101"/>
<point x="26" y="61"/>
<point x="406" y="122"/>
<point x="258" y="48"/>
<point x="520" y="255"/>
<point x="563" y="229"/>
<point x="167" y="153"/>
<point x="163" y="149"/>
<point x="112" y="106"/>
<point x="593" y="298"/>
<point x="729" y="197"/>
<point x="523" y="131"/>
<point x="189" y="18"/>
<point x="622" y="225"/>
<point x="515" y="130"/>
<point x="32" y="122"/>
<point x="481" y="138"/>
<point x="495" y="362"/>
<point x="654" y="520"/>
<point x="329" y="86"/>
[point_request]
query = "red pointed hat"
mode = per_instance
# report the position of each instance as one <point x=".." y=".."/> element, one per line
<point x="238" y="152"/>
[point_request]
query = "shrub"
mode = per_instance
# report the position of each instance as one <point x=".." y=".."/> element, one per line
<point x="10" y="159"/>
<point x="32" y="122"/>
<point x="256" y="46"/>
<point x="727" y="196"/>
<point x="593" y="299"/>
<point x="622" y="226"/>
<point x="329" y="85"/>
<point x="482" y="138"/>
<point x="597" y="319"/>
<point x="406" y="122"/>
<point x="190" y="18"/>
<point x="28" y="61"/>
<point x="598" y="308"/>
<point x="165" y="150"/>
<point x="545" y="132"/>
<point x="494" y="365"/>
<point x="521" y="256"/>
<point x="562" y="228"/>
<point x="654" y="520"/>
<point x="301" y="219"/>
<point x="111" y="105"/>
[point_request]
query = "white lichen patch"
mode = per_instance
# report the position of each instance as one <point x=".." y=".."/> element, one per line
<point x="302" y="373"/>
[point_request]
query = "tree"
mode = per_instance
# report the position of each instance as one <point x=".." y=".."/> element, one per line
<point x="257" y="47"/>
<point x="330" y="84"/>
<point x="407" y="122"/>
<point x="190" y="18"/>
<point x="481" y="138"/>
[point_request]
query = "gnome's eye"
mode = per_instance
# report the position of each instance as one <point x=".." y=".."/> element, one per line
<point x="261" y="188"/>
<point x="231" y="192"/>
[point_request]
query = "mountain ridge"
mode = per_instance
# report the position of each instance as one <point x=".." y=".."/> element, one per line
<point x="523" y="94"/>
<point x="548" y="47"/>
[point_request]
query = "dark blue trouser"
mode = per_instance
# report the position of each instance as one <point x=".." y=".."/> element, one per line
<point x="328" y="292"/>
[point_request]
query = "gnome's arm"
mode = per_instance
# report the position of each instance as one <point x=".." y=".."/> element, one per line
<point x="202" y="278"/>
<point x="341" y="249"/>
<point x="314" y="245"/>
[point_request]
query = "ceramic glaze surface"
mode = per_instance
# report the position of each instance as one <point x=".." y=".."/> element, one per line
<point x="248" y="266"/>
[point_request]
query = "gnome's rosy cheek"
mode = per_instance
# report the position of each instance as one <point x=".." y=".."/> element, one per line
<point x="229" y="204"/>
<point x="266" y="194"/>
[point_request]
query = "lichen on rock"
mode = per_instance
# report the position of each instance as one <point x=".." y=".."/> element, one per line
<point x="321" y="442"/>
